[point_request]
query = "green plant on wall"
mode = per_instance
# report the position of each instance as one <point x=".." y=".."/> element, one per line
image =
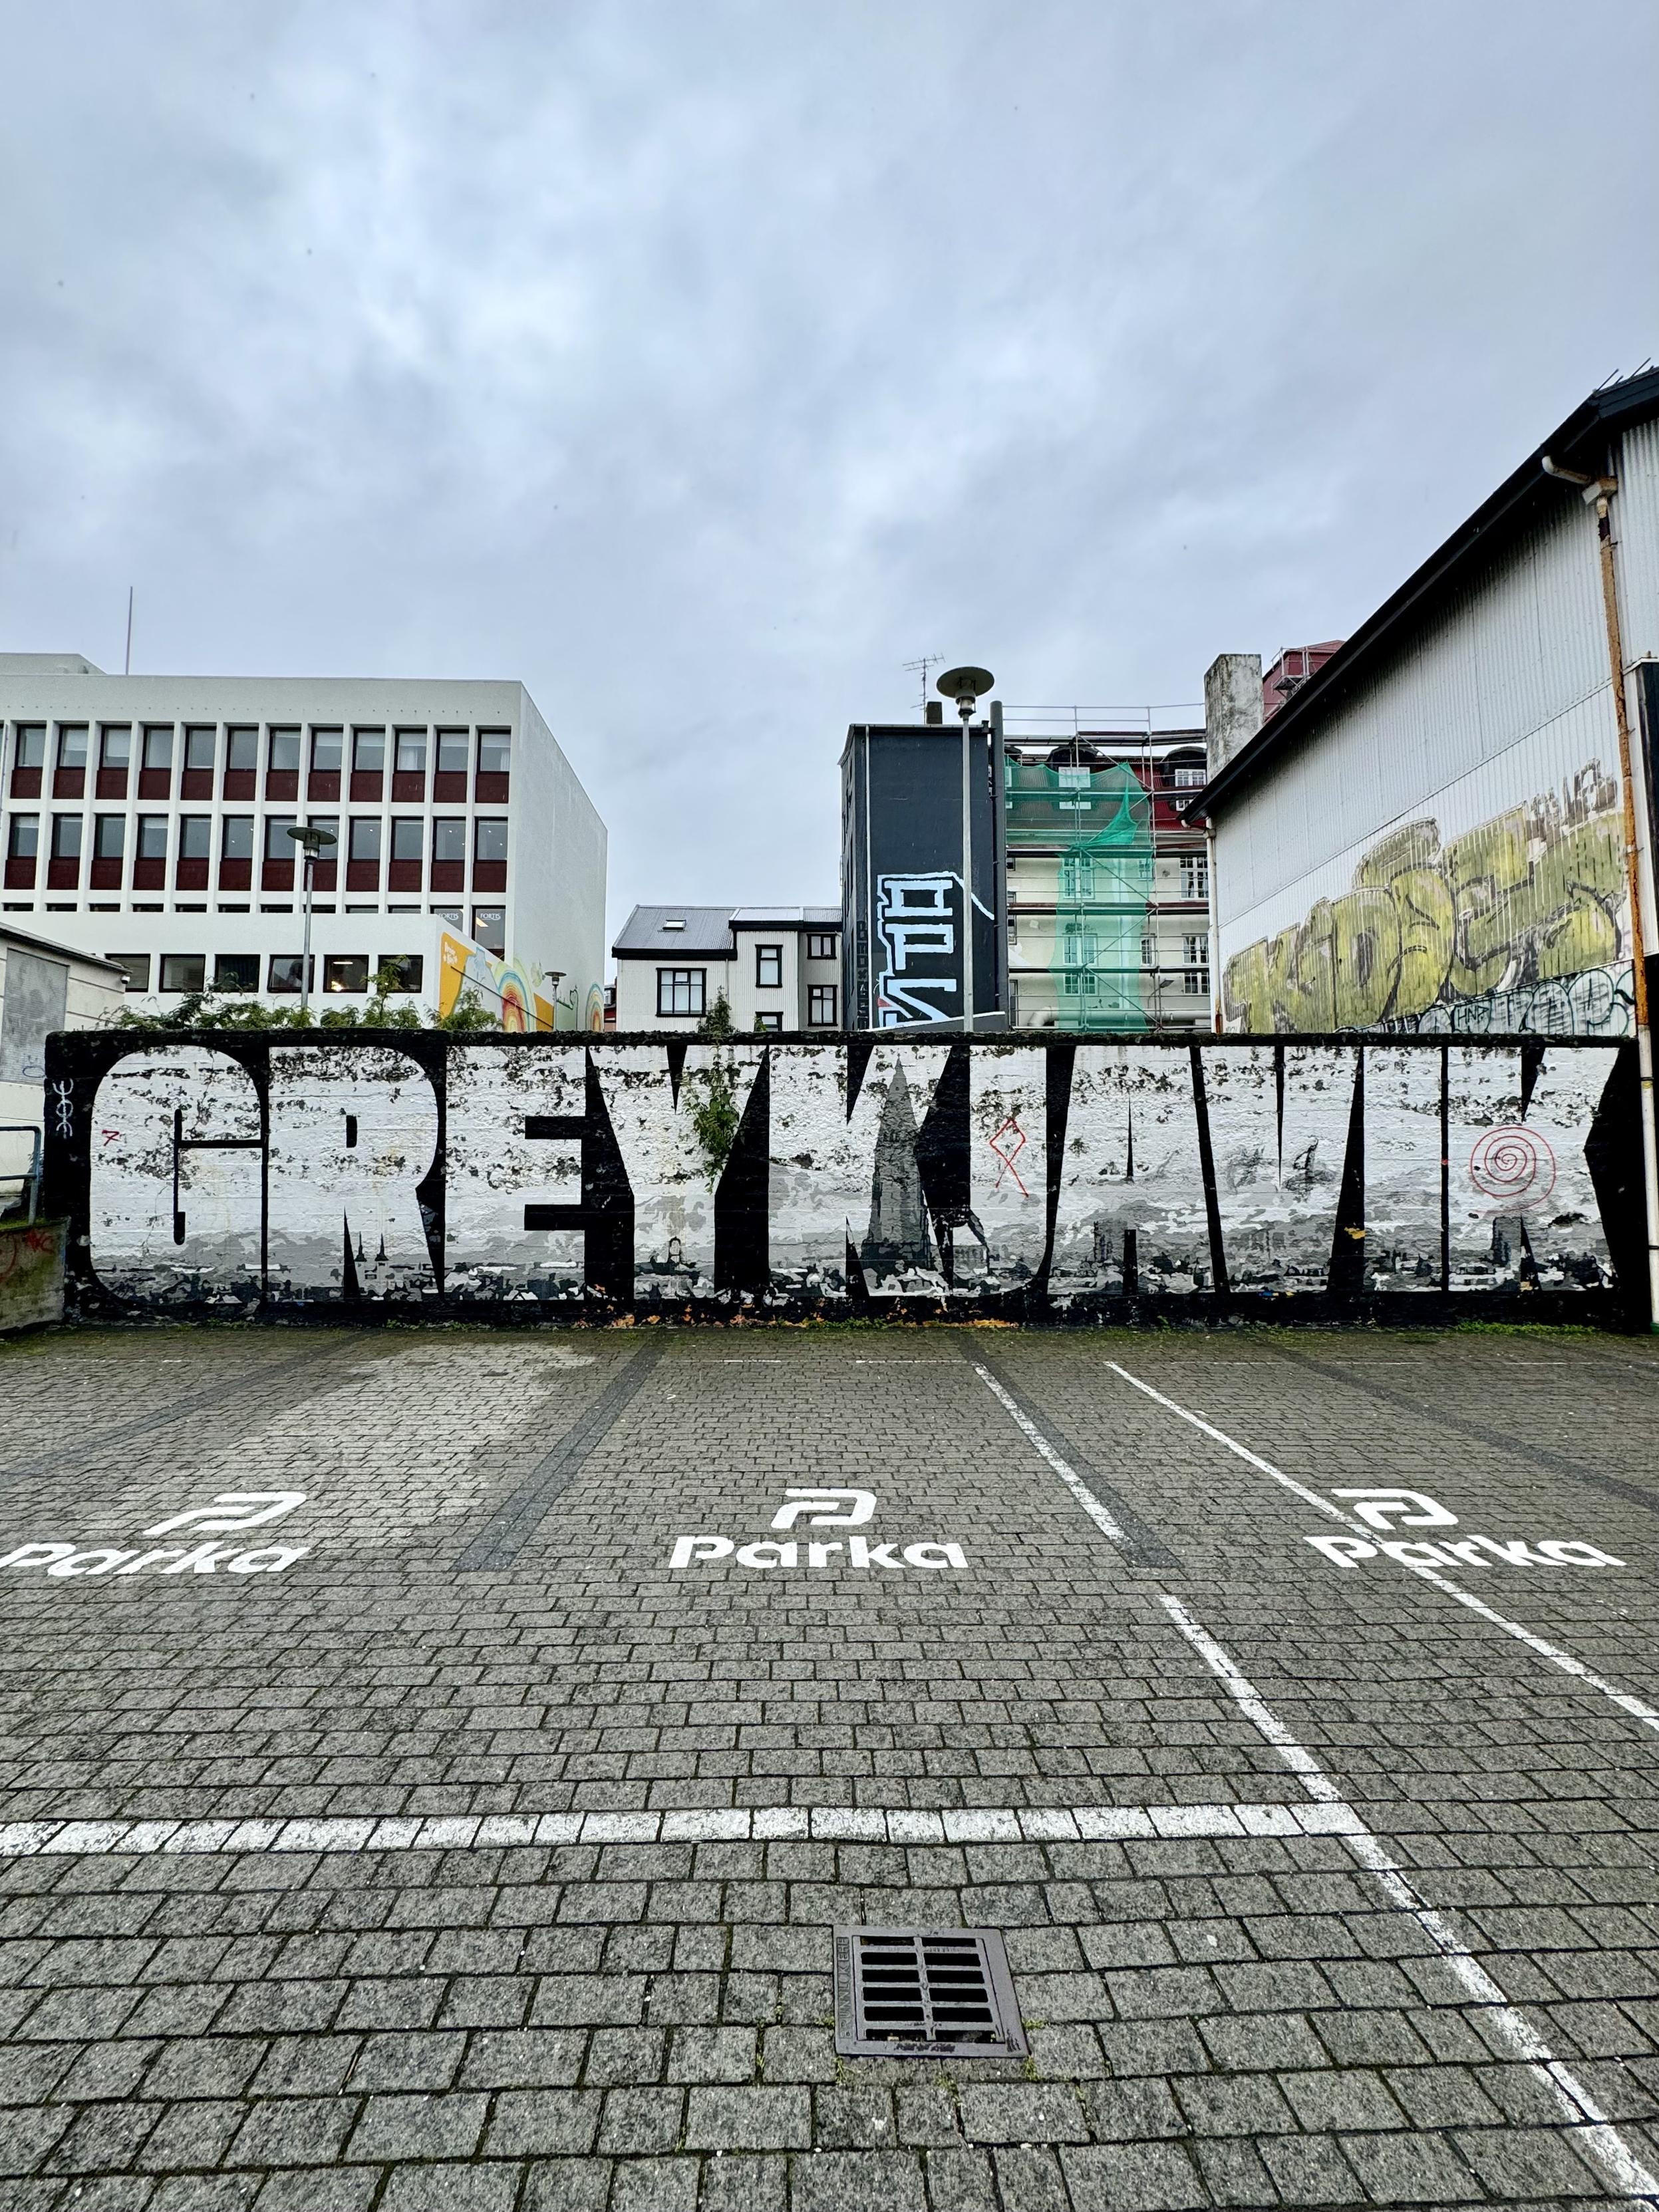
<point x="713" y="1094"/>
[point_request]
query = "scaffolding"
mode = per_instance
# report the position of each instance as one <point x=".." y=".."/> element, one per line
<point x="1095" y="820"/>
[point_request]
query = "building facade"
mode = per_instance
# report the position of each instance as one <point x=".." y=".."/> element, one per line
<point x="144" y="818"/>
<point x="1109" y="924"/>
<point x="44" y="987"/>
<point x="778" y="967"/>
<point x="1429" y="835"/>
<point x="915" y="942"/>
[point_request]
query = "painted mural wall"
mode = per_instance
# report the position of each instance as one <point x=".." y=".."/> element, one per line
<point x="1519" y="924"/>
<point x="577" y="1179"/>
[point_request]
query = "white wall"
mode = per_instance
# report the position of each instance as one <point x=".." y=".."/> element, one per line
<point x="1501" y="701"/>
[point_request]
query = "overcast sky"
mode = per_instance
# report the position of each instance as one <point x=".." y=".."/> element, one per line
<point x="702" y="364"/>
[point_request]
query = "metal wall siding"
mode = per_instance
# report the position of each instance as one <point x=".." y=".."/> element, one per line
<point x="1636" y="520"/>
<point x="1512" y="653"/>
<point x="1541" y="763"/>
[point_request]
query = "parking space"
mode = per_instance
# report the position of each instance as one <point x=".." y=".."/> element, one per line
<point x="434" y="1765"/>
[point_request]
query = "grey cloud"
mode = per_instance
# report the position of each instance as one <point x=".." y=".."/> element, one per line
<point x="702" y="365"/>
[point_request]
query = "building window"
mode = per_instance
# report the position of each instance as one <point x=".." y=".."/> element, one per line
<point x="1190" y="779"/>
<point x="453" y="750"/>
<point x="198" y="750"/>
<point x="399" y="971"/>
<point x="31" y="747"/>
<point x="768" y="1022"/>
<point x="1149" y="952"/>
<point x="1195" y="951"/>
<point x="448" y="838"/>
<point x="368" y="752"/>
<point x="283" y="973"/>
<point x="195" y="833"/>
<point x="1195" y="875"/>
<point x="327" y="750"/>
<point x="66" y="836"/>
<point x="284" y="752"/>
<point x="152" y="837"/>
<point x="410" y="757"/>
<point x="449" y="915"/>
<point x="345" y="973"/>
<point x="490" y="837"/>
<point x="109" y="836"/>
<point x="365" y="837"/>
<point x="279" y="846"/>
<point x="680" y="990"/>
<point x="24" y="840"/>
<point x="236" y="971"/>
<point x="183" y="971"/>
<point x="407" y="834"/>
<point x="72" y="744"/>
<point x="115" y="747"/>
<point x="768" y="967"/>
<point x="158" y="748"/>
<point x="493" y="746"/>
<point x="489" y="929"/>
<point x="241" y="750"/>
<point x="1077" y="876"/>
<point x="822" y="945"/>
<point x="821" y="1006"/>
<point x="236" y="839"/>
<point x="135" y="966"/>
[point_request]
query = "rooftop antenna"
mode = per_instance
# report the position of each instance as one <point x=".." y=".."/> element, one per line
<point x="126" y="669"/>
<point x="927" y="660"/>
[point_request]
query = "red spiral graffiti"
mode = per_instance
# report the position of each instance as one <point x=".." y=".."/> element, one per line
<point x="1513" y="1166"/>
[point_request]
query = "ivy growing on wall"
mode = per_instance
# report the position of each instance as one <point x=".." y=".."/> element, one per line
<point x="713" y="1102"/>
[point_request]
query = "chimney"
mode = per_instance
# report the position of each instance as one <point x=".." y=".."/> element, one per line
<point x="935" y="711"/>
<point x="1232" y="706"/>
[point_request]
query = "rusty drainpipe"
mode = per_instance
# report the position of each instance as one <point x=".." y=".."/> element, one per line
<point x="1598" y="491"/>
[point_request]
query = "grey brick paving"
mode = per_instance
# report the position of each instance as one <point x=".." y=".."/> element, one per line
<point x="634" y="2026"/>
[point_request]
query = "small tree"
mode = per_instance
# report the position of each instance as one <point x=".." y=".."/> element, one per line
<point x="717" y="1025"/>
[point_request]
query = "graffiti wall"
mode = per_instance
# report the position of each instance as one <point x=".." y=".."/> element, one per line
<point x="1519" y="925"/>
<point x="519" y="1176"/>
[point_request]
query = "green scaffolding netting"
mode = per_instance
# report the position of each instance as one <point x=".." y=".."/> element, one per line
<point x="1097" y="824"/>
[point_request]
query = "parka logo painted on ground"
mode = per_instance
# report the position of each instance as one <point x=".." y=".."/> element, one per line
<point x="230" y="1509"/>
<point x="1391" y="1506"/>
<point x="819" y="1508"/>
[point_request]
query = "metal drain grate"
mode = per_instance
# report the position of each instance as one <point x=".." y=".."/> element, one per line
<point x="932" y="1992"/>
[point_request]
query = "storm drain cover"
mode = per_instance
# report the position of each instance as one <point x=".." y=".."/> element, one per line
<point x="928" y="1992"/>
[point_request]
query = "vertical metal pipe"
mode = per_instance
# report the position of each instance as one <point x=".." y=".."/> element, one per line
<point x="967" y="868"/>
<point x="1632" y="874"/>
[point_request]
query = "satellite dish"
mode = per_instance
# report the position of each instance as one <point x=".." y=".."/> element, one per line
<point x="960" y="683"/>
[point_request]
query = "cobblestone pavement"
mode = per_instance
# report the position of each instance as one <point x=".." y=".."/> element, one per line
<point x="438" y="1842"/>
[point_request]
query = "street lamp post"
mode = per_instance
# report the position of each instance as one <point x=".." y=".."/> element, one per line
<point x="964" y="686"/>
<point x="312" y="841"/>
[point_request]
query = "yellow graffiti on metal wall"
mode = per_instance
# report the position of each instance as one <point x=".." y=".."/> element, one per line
<point x="1533" y="895"/>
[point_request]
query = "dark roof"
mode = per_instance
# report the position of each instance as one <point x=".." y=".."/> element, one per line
<point x="1579" y="443"/>
<point x="708" y="930"/>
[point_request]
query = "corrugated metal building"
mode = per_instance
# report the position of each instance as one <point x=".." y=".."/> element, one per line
<point x="1429" y="835"/>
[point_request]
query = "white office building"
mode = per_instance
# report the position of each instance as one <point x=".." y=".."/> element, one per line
<point x="145" y="820"/>
<point x="778" y="966"/>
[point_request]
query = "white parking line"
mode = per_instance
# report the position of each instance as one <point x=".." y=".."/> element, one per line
<point x="1590" y="2123"/>
<point x="1067" y="1473"/>
<point x="1637" y="1708"/>
<point x="469" y="1831"/>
